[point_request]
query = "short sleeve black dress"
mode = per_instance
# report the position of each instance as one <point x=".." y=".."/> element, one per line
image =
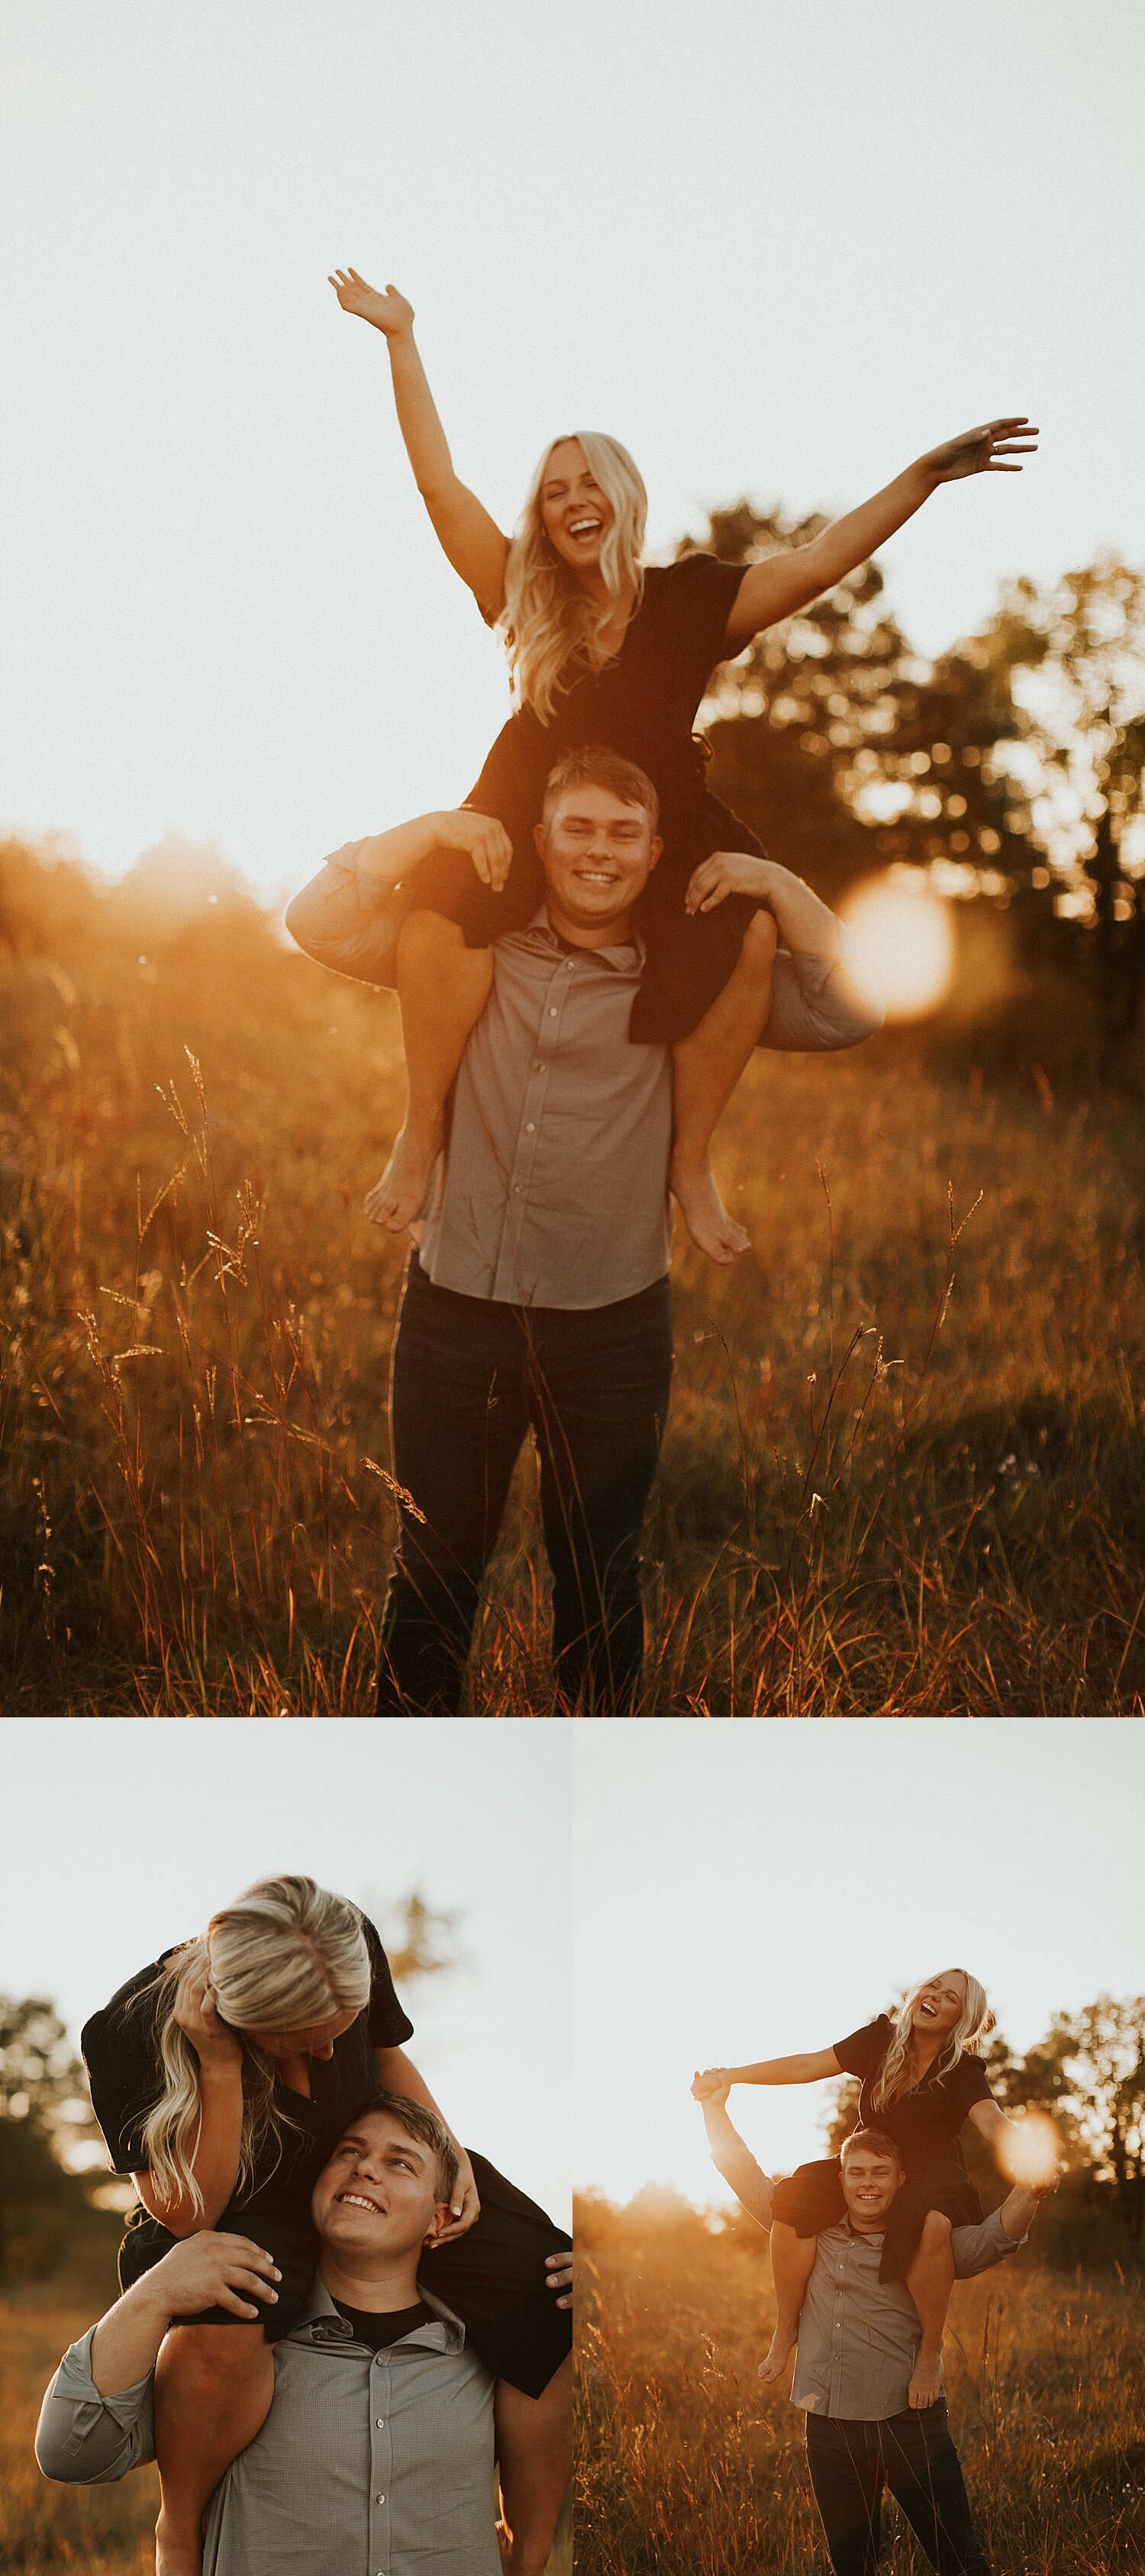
<point x="925" y="2125"/>
<point x="493" y="2277"/>
<point x="642" y="704"/>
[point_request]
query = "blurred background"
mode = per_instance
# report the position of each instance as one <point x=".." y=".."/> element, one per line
<point x="779" y="258"/>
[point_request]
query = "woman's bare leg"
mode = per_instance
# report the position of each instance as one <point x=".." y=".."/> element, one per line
<point x="213" y="2387"/>
<point x="792" y="2263"/>
<point x="930" y="2280"/>
<point x="534" y="2455"/>
<point x="707" y="1066"/>
<point x="443" y="987"/>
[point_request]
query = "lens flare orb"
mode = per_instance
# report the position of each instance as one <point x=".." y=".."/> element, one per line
<point x="1032" y="2155"/>
<point x="900" y="943"/>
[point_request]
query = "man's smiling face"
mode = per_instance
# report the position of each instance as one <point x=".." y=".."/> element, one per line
<point x="378" y="2196"/>
<point x="870" y="2181"/>
<point x="598" y="853"/>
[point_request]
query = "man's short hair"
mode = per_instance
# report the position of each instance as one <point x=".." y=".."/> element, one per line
<point x="876" y="2142"/>
<point x="595" y="766"/>
<point x="418" y="2122"/>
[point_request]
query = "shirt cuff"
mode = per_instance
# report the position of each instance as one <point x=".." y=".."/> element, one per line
<point x="75" y="2383"/>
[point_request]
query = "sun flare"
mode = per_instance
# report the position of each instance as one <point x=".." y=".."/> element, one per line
<point x="902" y="944"/>
<point x="1032" y="2156"/>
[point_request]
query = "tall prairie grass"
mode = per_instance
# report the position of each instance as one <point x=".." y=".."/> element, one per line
<point x="687" y="2466"/>
<point x="903" y="1473"/>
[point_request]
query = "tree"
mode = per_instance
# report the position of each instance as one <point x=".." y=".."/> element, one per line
<point x="46" y="2213"/>
<point x="1080" y="649"/>
<point x="1097" y="2057"/>
<point x="847" y="752"/>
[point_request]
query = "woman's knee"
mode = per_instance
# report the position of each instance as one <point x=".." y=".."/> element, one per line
<point x="936" y="2232"/>
<point x="215" y="2353"/>
<point x="760" y="941"/>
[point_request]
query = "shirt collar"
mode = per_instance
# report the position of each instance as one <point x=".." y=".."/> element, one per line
<point x="321" y="2323"/>
<point x="619" y="956"/>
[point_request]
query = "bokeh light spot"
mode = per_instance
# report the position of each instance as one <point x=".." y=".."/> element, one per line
<point x="901" y="943"/>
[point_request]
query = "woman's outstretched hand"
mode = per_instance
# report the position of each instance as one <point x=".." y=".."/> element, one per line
<point x="197" y="2015"/>
<point x="483" y="839"/>
<point x="988" y="450"/>
<point x="388" y="311"/>
<point x="714" y="2085"/>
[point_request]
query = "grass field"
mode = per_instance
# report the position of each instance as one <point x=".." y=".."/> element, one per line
<point x="903" y="1475"/>
<point x="687" y="2467"/>
<point x="104" y="2531"/>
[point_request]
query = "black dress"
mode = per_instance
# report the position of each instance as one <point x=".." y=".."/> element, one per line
<point x="493" y="2277"/>
<point x="643" y="705"/>
<point x="924" y="2124"/>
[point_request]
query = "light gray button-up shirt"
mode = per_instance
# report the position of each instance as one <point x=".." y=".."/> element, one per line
<point x="369" y="2464"/>
<point x="858" y="2336"/>
<point x="553" y="1188"/>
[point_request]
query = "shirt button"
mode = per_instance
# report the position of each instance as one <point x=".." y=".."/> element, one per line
<point x="518" y="1189"/>
<point x="571" y="967"/>
<point x="379" y="2420"/>
<point x="531" y="1127"/>
<point x="552" y="1010"/>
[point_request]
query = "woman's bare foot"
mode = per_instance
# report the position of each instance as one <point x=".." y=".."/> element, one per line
<point x="398" y="1198"/>
<point x="175" y="2554"/>
<point x="694" y="1189"/>
<point x="926" y="2379"/>
<point x="779" y="2353"/>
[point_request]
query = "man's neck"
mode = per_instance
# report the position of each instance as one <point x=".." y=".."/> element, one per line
<point x="377" y="2292"/>
<point x="615" y="933"/>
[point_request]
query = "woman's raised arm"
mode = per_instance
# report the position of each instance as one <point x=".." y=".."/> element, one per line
<point x="472" y="540"/>
<point x="810" y="2069"/>
<point x="788" y="582"/>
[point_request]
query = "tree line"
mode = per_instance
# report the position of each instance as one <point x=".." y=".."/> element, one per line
<point x="1012" y="767"/>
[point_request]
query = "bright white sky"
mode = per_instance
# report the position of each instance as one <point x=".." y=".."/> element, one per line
<point x="777" y="250"/>
<point x="128" y="1834"/>
<point x="747" y="1891"/>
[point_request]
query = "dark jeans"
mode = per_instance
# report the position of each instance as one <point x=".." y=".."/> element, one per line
<point x="912" y="2454"/>
<point x="469" y="1378"/>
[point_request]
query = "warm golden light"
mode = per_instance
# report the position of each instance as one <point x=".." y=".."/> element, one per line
<point x="1032" y="2155"/>
<point x="901" y="942"/>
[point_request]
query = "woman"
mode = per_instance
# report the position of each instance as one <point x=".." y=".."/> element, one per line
<point x="922" y="2077"/>
<point x="223" y="2076"/>
<point x="604" y="650"/>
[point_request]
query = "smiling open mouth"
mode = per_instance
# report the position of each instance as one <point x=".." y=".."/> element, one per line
<point x="585" y="527"/>
<point x="357" y="2200"/>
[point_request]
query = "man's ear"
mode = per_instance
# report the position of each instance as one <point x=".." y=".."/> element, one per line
<point x="442" y="2218"/>
<point x="540" y="837"/>
<point x="654" y="852"/>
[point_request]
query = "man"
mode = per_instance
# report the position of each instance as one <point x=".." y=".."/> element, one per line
<point x="377" y="2455"/>
<point x="538" y="1296"/>
<point x="858" y="2342"/>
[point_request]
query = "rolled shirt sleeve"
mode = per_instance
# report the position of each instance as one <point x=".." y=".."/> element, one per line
<point x="816" y="1004"/>
<point x="976" y="2248"/>
<point x="85" y="2439"/>
<point x="344" y="924"/>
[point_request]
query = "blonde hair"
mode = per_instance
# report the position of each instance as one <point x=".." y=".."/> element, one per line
<point x="896" y="2072"/>
<point x="286" y="1956"/>
<point x="549" y="619"/>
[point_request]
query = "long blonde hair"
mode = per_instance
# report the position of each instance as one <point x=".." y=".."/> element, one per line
<point x="285" y="1956"/>
<point x="549" y="619"/>
<point x="897" y="2069"/>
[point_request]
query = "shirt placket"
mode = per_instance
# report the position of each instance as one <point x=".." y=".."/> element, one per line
<point x="532" y="1119"/>
<point x="381" y="2467"/>
<point x="838" y="2329"/>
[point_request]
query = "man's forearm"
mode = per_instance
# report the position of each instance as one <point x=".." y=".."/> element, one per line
<point x="126" y="2342"/>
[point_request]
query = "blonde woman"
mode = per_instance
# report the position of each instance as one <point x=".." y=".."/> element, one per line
<point x="605" y="650"/>
<point x="223" y="2076"/>
<point x="922" y="2078"/>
